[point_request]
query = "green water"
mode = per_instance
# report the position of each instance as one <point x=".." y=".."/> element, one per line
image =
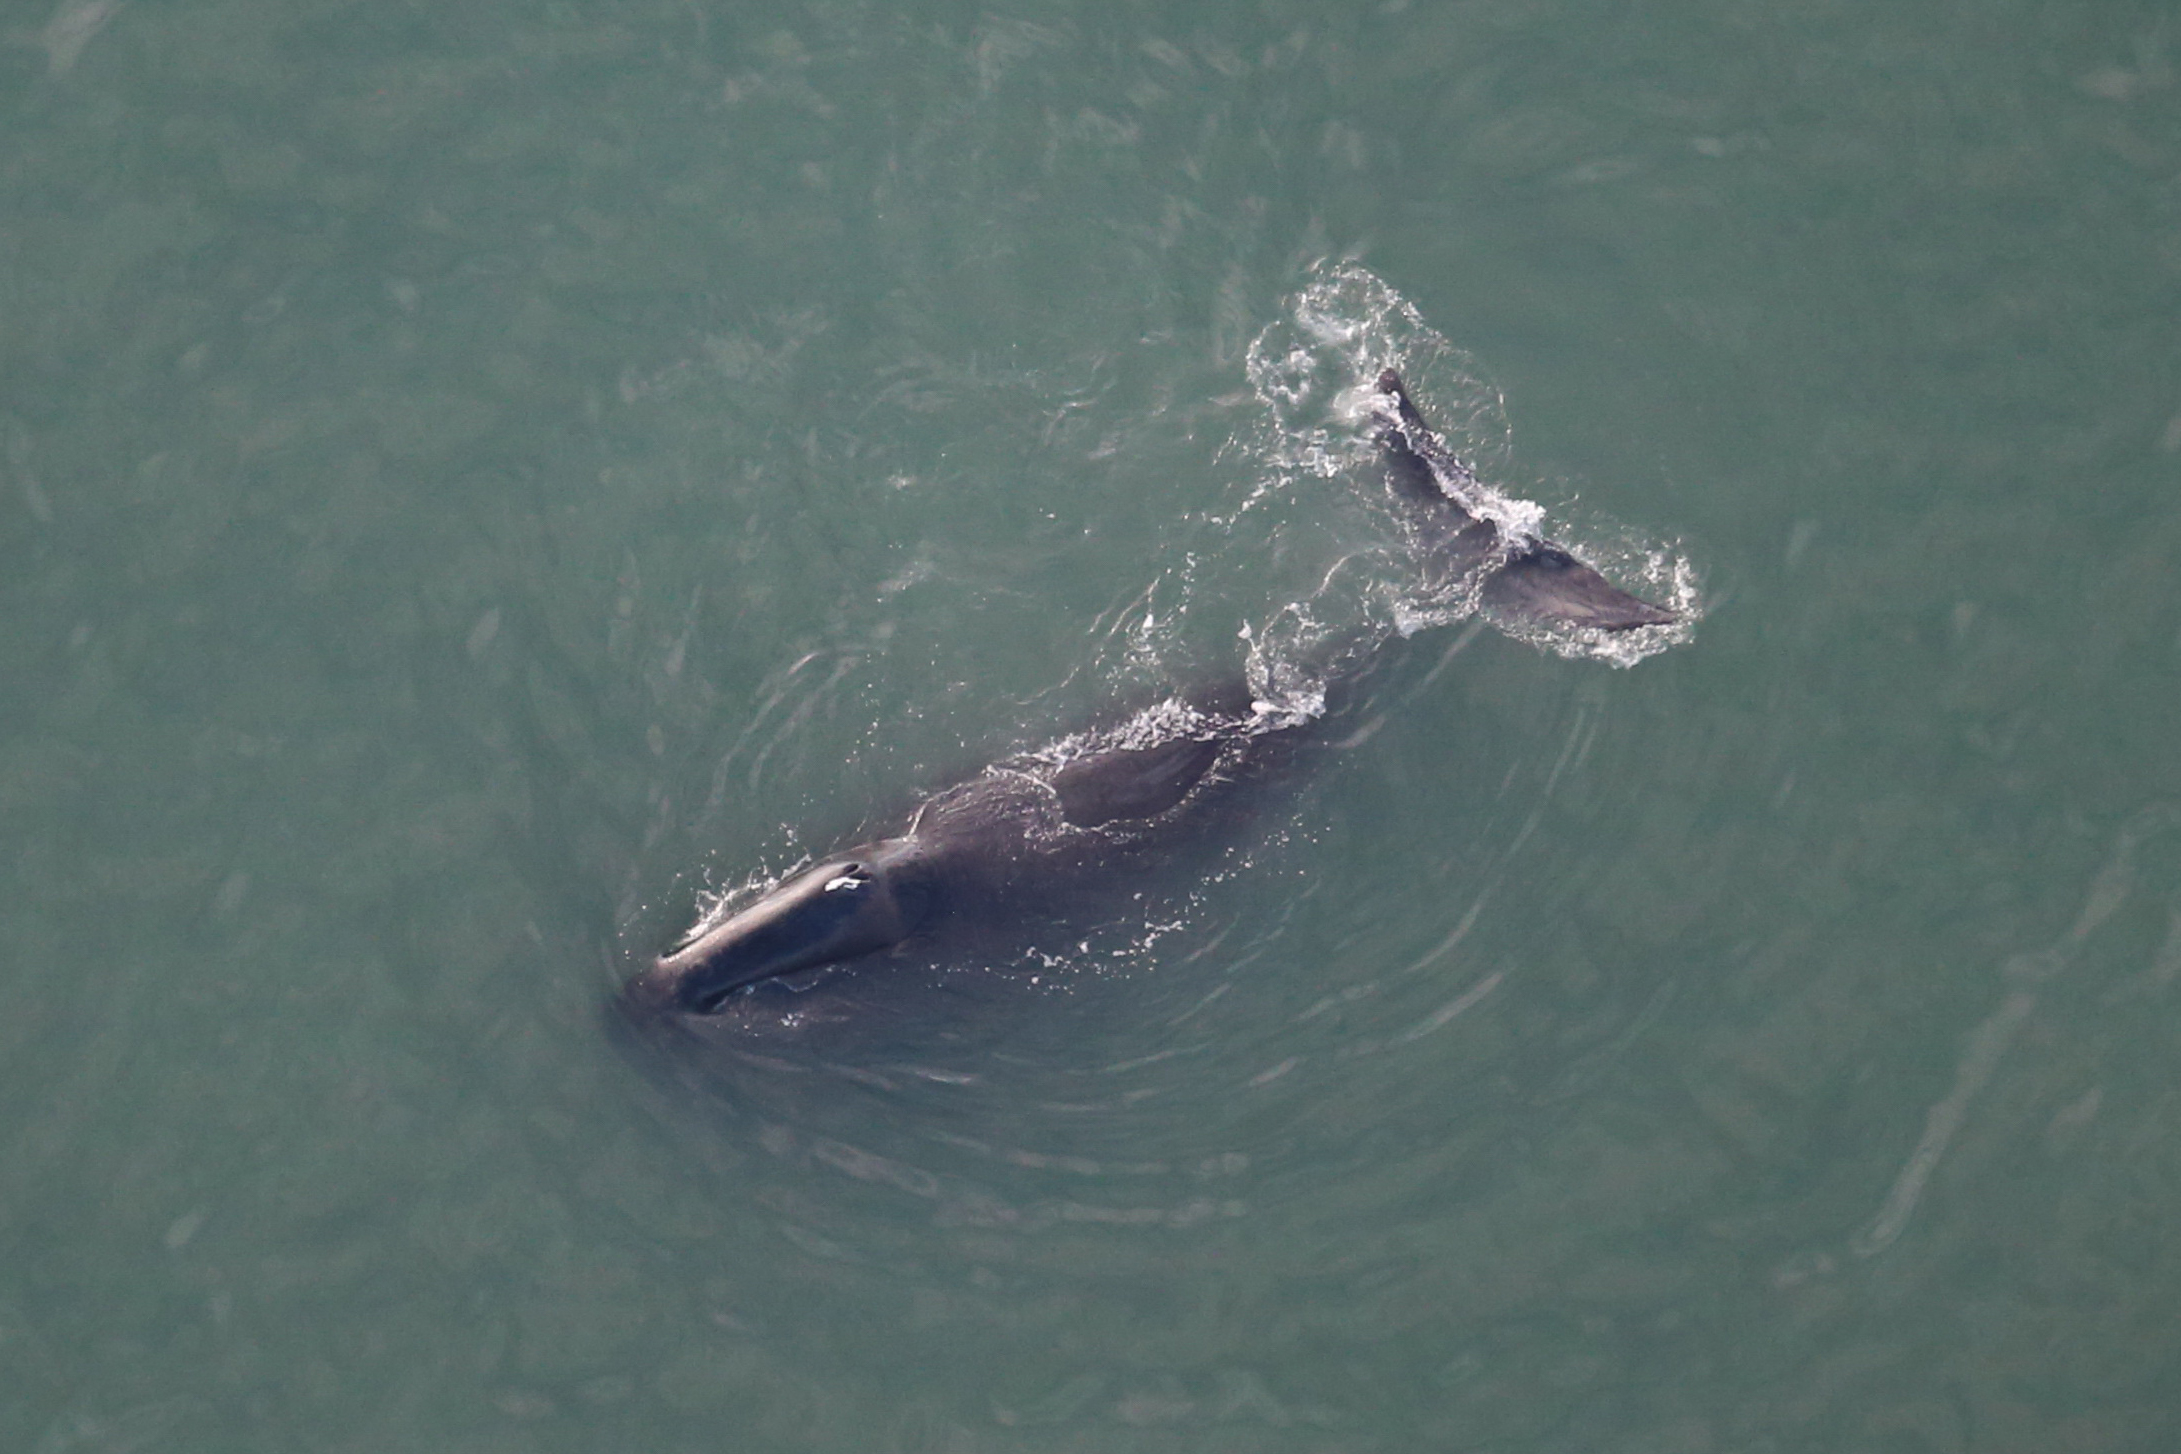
<point x="474" y="477"/>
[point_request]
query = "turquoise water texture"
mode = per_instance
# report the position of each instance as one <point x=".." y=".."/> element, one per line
<point x="480" y="481"/>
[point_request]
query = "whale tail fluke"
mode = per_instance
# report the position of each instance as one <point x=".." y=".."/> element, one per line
<point x="1529" y="578"/>
<point x="1542" y="582"/>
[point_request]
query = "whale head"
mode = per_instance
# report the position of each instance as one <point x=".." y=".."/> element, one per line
<point x="851" y="904"/>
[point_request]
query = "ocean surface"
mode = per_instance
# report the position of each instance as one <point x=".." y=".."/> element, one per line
<point x="479" y="483"/>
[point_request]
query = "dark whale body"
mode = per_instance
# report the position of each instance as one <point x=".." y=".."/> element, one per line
<point x="993" y="848"/>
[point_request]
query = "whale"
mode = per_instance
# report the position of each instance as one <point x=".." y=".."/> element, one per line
<point x="992" y="848"/>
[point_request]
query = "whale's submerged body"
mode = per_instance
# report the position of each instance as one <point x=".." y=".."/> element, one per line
<point x="991" y="848"/>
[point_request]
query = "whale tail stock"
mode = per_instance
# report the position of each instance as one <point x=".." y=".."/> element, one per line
<point x="1529" y="578"/>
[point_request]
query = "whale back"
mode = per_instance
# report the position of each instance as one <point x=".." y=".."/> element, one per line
<point x="1133" y="782"/>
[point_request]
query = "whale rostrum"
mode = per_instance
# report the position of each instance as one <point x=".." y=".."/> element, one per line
<point x="983" y="848"/>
